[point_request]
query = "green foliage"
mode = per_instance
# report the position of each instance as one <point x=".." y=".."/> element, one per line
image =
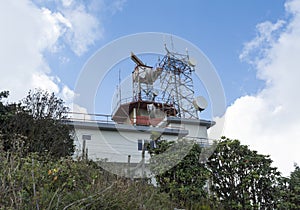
<point x="3" y="94"/>
<point x="40" y="121"/>
<point x="185" y="182"/>
<point x="292" y="190"/>
<point x="43" y="105"/>
<point x="289" y="189"/>
<point x="36" y="171"/>
<point x="242" y="178"/>
<point x="33" y="182"/>
<point x="5" y="110"/>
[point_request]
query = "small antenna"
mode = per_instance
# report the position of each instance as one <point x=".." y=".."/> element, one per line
<point x="120" y="85"/>
<point x="172" y="44"/>
<point x="187" y="52"/>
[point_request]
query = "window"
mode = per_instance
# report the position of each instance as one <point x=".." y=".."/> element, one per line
<point x="152" y="144"/>
<point x="142" y="143"/>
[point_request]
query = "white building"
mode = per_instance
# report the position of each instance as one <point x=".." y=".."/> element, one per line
<point x="171" y="114"/>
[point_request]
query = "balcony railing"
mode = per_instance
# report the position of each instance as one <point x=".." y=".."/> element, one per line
<point x="87" y="117"/>
<point x="133" y="99"/>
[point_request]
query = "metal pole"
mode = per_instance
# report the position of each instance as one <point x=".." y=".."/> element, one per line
<point x="128" y="166"/>
<point x="83" y="149"/>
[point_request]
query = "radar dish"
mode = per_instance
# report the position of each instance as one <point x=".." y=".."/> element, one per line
<point x="192" y="62"/>
<point x="200" y="103"/>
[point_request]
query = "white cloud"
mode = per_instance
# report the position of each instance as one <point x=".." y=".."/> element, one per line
<point x="67" y="3"/>
<point x="84" y="29"/>
<point x="269" y="121"/>
<point x="51" y="34"/>
<point x="117" y="6"/>
<point x="67" y="94"/>
<point x="265" y="38"/>
<point x="26" y="32"/>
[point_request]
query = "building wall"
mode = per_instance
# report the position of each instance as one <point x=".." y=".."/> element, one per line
<point x="196" y="131"/>
<point x="115" y="146"/>
<point x="114" y="142"/>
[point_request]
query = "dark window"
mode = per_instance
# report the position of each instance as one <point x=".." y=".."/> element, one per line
<point x="140" y="145"/>
<point x="146" y="144"/>
<point x="152" y="144"/>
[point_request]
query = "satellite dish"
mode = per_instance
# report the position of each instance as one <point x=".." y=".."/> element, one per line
<point x="200" y="103"/>
<point x="192" y="62"/>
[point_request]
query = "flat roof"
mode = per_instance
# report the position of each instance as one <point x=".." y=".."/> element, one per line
<point x="177" y="120"/>
<point x="127" y="128"/>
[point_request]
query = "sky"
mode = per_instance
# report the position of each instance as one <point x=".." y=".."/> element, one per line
<point x="253" y="46"/>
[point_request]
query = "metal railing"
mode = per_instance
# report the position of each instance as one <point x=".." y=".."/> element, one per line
<point x="122" y="101"/>
<point x="88" y="117"/>
<point x="201" y="140"/>
<point x="133" y="99"/>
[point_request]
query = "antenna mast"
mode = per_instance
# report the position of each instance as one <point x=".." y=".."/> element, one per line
<point x="176" y="83"/>
<point x="120" y="97"/>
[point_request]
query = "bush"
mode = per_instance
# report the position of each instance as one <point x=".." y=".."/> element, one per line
<point x="40" y="182"/>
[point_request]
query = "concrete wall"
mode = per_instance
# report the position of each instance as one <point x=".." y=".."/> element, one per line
<point x="114" y="145"/>
<point x="115" y="142"/>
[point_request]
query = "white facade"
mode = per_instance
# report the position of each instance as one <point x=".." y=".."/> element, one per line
<point x="115" y="142"/>
<point x="162" y="107"/>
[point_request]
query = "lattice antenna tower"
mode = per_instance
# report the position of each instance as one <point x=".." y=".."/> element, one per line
<point x="176" y="83"/>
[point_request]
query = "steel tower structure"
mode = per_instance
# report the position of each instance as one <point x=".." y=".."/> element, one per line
<point x="176" y="83"/>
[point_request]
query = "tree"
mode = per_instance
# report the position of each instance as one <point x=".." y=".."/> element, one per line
<point x="186" y="181"/>
<point x="43" y="105"/>
<point x="3" y="94"/>
<point x="294" y="188"/>
<point x="9" y="139"/>
<point x="40" y="119"/>
<point x="34" y="183"/>
<point x="4" y="109"/>
<point x="242" y="178"/>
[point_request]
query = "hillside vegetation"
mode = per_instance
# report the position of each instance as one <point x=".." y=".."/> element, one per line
<point x="37" y="170"/>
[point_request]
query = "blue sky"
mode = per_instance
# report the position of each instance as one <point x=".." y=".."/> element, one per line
<point x="253" y="45"/>
<point x="218" y="28"/>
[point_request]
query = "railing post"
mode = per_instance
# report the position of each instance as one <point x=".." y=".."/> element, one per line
<point x="83" y="149"/>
